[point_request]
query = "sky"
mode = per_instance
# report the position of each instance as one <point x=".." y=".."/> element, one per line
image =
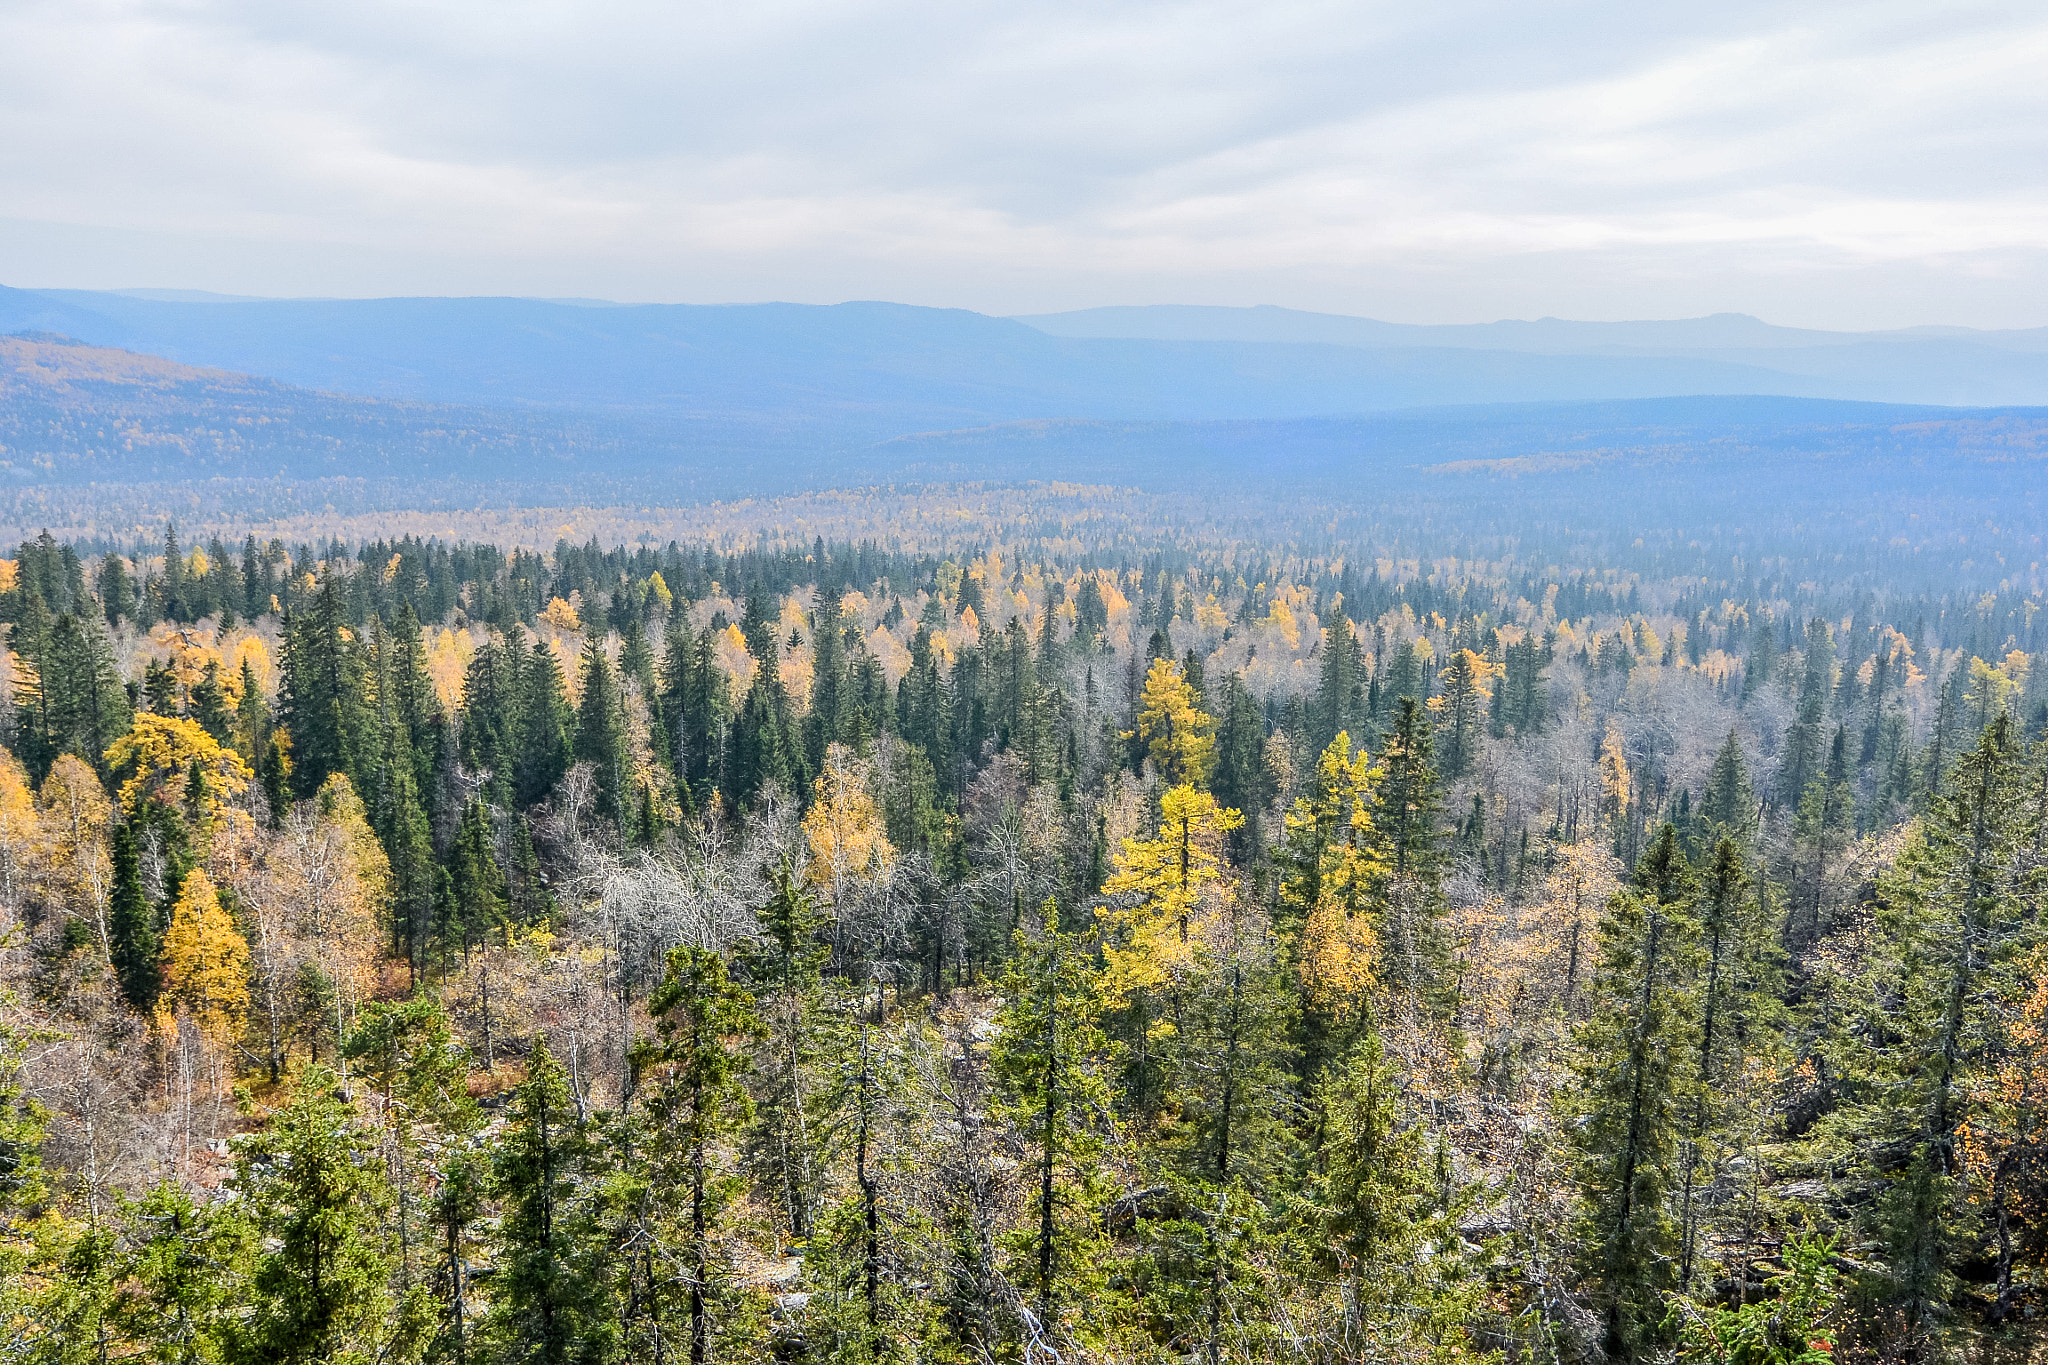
<point x="1855" y="165"/>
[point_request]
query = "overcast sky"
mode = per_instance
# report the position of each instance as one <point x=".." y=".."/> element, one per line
<point x="1865" y="164"/>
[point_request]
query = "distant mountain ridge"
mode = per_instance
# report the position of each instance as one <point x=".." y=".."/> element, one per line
<point x="874" y="370"/>
<point x="1557" y="336"/>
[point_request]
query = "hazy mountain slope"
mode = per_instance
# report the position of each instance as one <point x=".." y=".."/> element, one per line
<point x="876" y="369"/>
<point x="1719" y="333"/>
<point x="104" y="438"/>
<point x="1921" y="364"/>
<point x="71" y="413"/>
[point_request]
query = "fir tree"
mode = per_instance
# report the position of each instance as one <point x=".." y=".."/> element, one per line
<point x="132" y="926"/>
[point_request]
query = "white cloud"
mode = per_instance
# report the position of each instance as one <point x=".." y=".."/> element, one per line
<point x="1848" y="164"/>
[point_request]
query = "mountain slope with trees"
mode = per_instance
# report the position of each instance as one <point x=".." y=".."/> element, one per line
<point x="826" y="951"/>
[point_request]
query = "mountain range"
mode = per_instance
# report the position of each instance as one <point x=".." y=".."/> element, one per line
<point x="575" y="402"/>
<point x="881" y="368"/>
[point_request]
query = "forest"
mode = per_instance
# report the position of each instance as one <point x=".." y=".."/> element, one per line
<point x="1042" y="949"/>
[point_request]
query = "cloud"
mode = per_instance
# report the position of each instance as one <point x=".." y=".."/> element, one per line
<point x="1846" y="164"/>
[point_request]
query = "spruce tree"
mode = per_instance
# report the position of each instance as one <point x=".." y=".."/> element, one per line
<point x="1049" y="1059"/>
<point x="319" y="1289"/>
<point x="699" y="1100"/>
<point x="785" y="969"/>
<point x="551" y="1303"/>
<point x="601" y="733"/>
<point x="546" y="724"/>
<point x="132" y="926"/>
<point x="1634" y="1067"/>
<point x="1728" y="805"/>
<point x="1406" y="814"/>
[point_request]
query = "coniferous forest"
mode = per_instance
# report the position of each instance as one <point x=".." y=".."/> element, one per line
<point x="1036" y="951"/>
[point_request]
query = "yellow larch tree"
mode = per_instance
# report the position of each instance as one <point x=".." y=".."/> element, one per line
<point x="1331" y="872"/>
<point x="560" y="616"/>
<point x="19" y="833"/>
<point x="154" y="762"/>
<point x="1165" y="892"/>
<point x="844" y="826"/>
<point x="206" y="961"/>
<point x="1179" y="737"/>
<point x="1616" y="789"/>
<point x="74" y="816"/>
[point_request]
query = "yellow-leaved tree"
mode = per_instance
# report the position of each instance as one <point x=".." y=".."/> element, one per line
<point x="844" y="826"/>
<point x="322" y="898"/>
<point x="155" y="761"/>
<point x="74" y="816"/>
<point x="1330" y="871"/>
<point x="206" y="961"/>
<point x="18" y="833"/>
<point x="1179" y="737"/>
<point x="1164" y="893"/>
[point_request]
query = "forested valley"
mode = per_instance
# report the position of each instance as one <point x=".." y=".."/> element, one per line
<point x="1034" y="951"/>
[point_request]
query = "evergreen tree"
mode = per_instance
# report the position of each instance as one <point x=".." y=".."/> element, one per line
<point x="322" y="694"/>
<point x="550" y="1300"/>
<point x="1958" y="923"/>
<point x="1464" y="707"/>
<point x="601" y="733"/>
<point x="1737" y="992"/>
<point x="1633" y="1070"/>
<point x="1341" y="689"/>
<point x="86" y="705"/>
<point x="319" y="1286"/>
<point x="545" y="750"/>
<point x="1049" y="1058"/>
<point x="1406" y="812"/>
<point x="1372" y="1200"/>
<point x="699" y="1100"/>
<point x="477" y="888"/>
<point x="183" y="1272"/>
<point x="132" y="926"/>
<point x="785" y="968"/>
<point x="1728" y="805"/>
